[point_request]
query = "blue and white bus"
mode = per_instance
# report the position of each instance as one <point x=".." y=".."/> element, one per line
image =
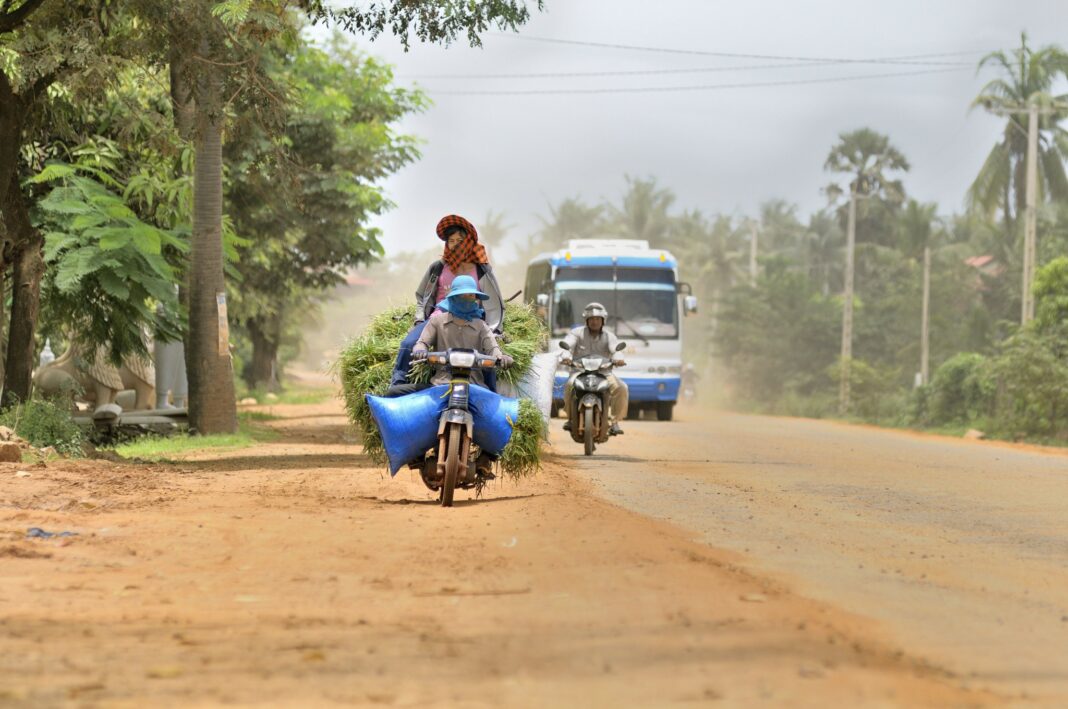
<point x="646" y="307"/>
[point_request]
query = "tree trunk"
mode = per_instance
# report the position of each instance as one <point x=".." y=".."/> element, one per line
<point x="925" y="329"/>
<point x="262" y="371"/>
<point x="29" y="268"/>
<point x="212" y="406"/>
<point x="847" y="307"/>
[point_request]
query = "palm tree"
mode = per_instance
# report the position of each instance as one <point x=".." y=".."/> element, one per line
<point x="1028" y="77"/>
<point x="822" y="249"/>
<point x="492" y="231"/>
<point x="212" y="404"/>
<point x="866" y="156"/>
<point x="644" y="214"/>
<point x="917" y="233"/>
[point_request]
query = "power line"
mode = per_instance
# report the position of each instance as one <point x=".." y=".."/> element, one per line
<point x="647" y="72"/>
<point x="915" y="59"/>
<point x="704" y="87"/>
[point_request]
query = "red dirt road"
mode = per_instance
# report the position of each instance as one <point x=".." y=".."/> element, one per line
<point x="295" y="575"/>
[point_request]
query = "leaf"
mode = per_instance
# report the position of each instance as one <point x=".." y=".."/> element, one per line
<point x="73" y="267"/>
<point x="113" y="285"/>
<point x="55" y="242"/>
<point x="51" y="172"/>
<point x="114" y="238"/>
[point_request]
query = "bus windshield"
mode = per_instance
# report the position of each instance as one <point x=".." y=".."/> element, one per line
<point x="634" y="308"/>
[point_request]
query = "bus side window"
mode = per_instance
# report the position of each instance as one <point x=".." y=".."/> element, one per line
<point x="564" y="313"/>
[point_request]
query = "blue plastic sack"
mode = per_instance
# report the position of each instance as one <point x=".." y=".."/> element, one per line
<point x="409" y="424"/>
<point x="494" y="417"/>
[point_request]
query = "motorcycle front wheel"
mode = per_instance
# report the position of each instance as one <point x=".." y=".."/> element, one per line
<point x="590" y="431"/>
<point x="453" y="448"/>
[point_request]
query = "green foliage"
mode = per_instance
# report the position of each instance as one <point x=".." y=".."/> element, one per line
<point x="1030" y="374"/>
<point x="874" y="394"/>
<point x="426" y="20"/>
<point x="1027" y="77"/>
<point x="1051" y="295"/>
<point x="960" y="390"/>
<point x="522" y="455"/>
<point x="106" y="270"/>
<point x="167" y="448"/>
<point x="366" y="364"/>
<point x="306" y="197"/>
<point x="45" y="423"/>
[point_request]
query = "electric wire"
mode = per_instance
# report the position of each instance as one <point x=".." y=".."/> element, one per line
<point x="915" y="59"/>
<point x="703" y="87"/>
<point x="635" y="72"/>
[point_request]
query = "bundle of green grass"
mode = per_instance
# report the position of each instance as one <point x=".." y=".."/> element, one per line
<point x="366" y="363"/>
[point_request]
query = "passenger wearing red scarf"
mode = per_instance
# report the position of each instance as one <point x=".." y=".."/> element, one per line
<point x="462" y="256"/>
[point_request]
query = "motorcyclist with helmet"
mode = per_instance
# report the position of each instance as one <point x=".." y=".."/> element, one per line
<point x="593" y="339"/>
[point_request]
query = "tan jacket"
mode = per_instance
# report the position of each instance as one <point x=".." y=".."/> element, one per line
<point x="445" y="331"/>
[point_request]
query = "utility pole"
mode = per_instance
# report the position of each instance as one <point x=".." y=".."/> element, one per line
<point x="752" y="252"/>
<point x="1028" y="301"/>
<point x="847" y="304"/>
<point x="925" y="348"/>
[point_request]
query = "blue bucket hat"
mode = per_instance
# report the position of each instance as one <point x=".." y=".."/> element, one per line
<point x="463" y="285"/>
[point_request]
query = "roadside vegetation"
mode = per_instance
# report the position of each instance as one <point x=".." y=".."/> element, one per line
<point x="250" y="432"/>
<point x="772" y="285"/>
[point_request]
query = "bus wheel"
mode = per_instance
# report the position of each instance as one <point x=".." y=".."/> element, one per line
<point x="664" y="410"/>
<point x="554" y="410"/>
<point x="633" y="412"/>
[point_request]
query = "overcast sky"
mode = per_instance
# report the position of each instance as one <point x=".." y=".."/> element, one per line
<point x="721" y="150"/>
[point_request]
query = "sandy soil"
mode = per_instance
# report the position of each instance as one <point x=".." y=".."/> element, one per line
<point x="295" y="575"/>
<point x="959" y="549"/>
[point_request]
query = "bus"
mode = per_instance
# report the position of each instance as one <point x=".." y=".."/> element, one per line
<point x="646" y="304"/>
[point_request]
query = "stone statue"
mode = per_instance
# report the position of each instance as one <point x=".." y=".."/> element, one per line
<point x="99" y="382"/>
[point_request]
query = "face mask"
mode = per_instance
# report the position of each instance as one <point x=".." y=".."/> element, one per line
<point x="466" y="309"/>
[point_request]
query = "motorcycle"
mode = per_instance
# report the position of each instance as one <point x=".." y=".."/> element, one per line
<point x="589" y="401"/>
<point x="452" y="463"/>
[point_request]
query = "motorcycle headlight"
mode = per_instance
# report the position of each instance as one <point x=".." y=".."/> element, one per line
<point x="462" y="359"/>
<point x="591" y="364"/>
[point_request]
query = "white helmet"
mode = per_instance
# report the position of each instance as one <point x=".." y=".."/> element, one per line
<point x="595" y="310"/>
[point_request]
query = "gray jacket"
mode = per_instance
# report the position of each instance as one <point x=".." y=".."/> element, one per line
<point x="425" y="294"/>
<point x="583" y="343"/>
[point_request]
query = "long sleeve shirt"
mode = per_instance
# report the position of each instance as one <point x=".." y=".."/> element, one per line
<point x="583" y="343"/>
<point x="445" y="331"/>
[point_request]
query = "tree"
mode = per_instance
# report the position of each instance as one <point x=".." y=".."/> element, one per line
<point x="1028" y="77"/>
<point x="303" y="200"/>
<point x="866" y="156"/>
<point x="644" y="211"/>
<point x="210" y="42"/>
<point x="493" y="230"/>
<point x="42" y="43"/>
<point x="917" y="227"/>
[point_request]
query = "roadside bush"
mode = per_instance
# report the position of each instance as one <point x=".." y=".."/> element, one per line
<point x="874" y="393"/>
<point x="961" y="390"/>
<point x="45" y="423"/>
<point x="1031" y="387"/>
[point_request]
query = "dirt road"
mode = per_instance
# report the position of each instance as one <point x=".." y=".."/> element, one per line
<point x="294" y="575"/>
<point x="958" y="548"/>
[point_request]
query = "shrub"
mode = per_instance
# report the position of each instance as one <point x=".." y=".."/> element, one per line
<point x="1032" y="387"/>
<point x="45" y="423"/>
<point x="960" y="390"/>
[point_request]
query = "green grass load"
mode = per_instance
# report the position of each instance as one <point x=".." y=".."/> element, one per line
<point x="366" y="363"/>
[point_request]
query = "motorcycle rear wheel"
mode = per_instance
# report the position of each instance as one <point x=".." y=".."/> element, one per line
<point x="454" y="444"/>
<point x="589" y="431"/>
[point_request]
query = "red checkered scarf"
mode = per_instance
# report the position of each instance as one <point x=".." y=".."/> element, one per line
<point x="468" y="250"/>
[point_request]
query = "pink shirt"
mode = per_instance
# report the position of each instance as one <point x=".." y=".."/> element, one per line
<point x="445" y="282"/>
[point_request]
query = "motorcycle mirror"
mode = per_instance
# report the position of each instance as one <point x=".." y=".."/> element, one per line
<point x="621" y="346"/>
<point x="564" y="345"/>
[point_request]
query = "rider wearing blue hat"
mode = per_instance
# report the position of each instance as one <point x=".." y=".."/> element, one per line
<point x="457" y="323"/>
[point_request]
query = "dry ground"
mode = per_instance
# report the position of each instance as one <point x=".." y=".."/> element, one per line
<point x="293" y="574"/>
